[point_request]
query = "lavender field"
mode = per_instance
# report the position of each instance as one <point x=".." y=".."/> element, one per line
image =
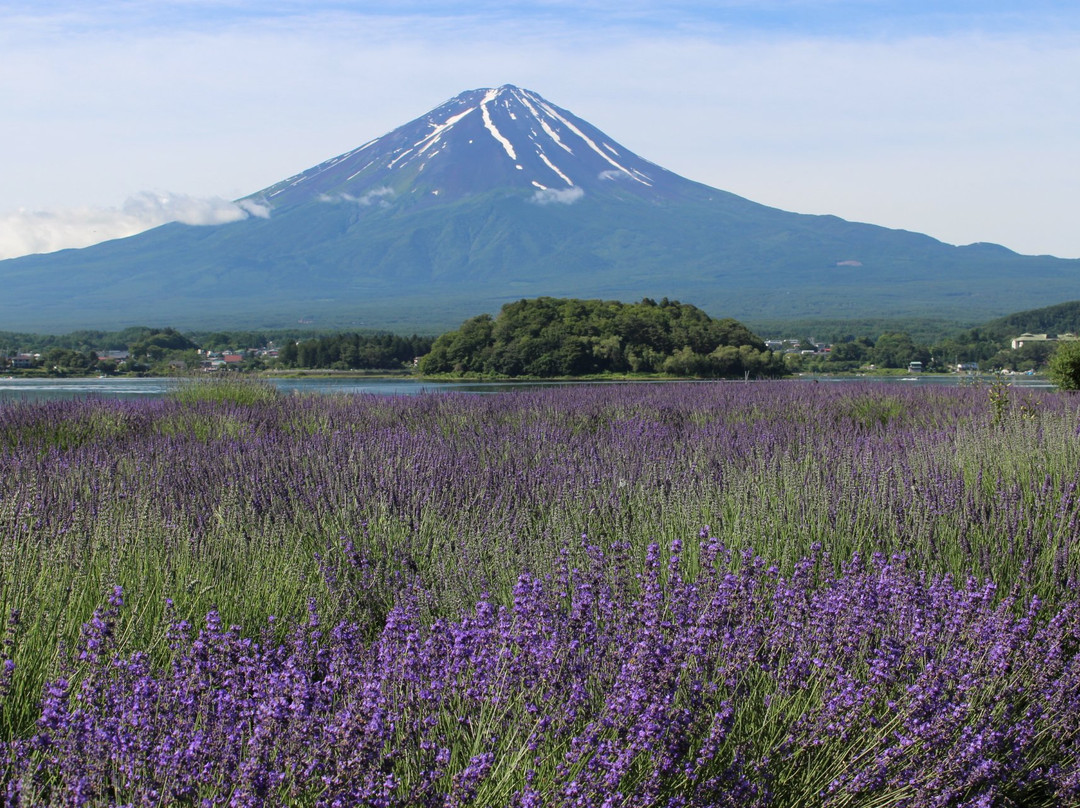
<point x="777" y="594"/>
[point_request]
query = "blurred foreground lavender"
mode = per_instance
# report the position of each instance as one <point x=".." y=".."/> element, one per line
<point x="512" y="601"/>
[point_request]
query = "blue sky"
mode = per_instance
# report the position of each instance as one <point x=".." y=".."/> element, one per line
<point x="957" y="119"/>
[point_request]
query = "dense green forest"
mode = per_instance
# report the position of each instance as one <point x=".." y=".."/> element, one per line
<point x="549" y="337"/>
<point x="1056" y="319"/>
<point x="923" y="330"/>
<point x="79" y="341"/>
<point x="354" y="351"/>
<point x="85" y="340"/>
<point x="1060" y="319"/>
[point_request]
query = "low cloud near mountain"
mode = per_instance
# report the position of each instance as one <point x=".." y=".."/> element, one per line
<point x="23" y="232"/>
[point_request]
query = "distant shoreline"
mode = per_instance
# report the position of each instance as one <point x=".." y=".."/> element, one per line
<point x="328" y="373"/>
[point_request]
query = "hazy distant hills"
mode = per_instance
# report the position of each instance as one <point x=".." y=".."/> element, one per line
<point x="498" y="195"/>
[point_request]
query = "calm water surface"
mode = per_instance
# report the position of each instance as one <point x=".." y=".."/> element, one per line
<point x="14" y="389"/>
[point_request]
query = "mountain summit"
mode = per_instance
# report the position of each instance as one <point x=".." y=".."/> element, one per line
<point x="506" y="138"/>
<point x="497" y="195"/>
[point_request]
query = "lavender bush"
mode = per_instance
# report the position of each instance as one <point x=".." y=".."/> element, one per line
<point x="511" y="600"/>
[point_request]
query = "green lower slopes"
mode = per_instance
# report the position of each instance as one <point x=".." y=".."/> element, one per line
<point x="426" y="267"/>
<point x="1059" y="319"/>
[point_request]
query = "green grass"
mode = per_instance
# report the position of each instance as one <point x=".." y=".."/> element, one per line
<point x="225" y="387"/>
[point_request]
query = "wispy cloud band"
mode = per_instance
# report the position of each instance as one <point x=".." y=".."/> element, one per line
<point x="24" y="232"/>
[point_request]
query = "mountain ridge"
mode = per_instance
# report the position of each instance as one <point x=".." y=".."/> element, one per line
<point x="497" y="195"/>
<point x="518" y="140"/>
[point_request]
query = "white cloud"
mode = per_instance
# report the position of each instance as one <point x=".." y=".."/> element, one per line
<point x="558" y="196"/>
<point x="259" y="210"/>
<point x="376" y="196"/>
<point x="23" y="232"/>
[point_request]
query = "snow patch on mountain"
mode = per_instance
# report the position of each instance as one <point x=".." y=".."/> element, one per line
<point x="548" y="130"/>
<point x="438" y="129"/>
<point x="400" y="157"/>
<point x="589" y="142"/>
<point x="554" y="167"/>
<point x="366" y="166"/>
<point x="495" y="133"/>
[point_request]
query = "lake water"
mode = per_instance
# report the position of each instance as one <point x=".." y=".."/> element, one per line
<point x="15" y="389"/>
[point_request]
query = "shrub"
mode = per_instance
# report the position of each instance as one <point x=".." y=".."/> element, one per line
<point x="226" y="387"/>
<point x="1064" y="367"/>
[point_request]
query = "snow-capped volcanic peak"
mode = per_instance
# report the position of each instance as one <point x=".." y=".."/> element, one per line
<point x="504" y="138"/>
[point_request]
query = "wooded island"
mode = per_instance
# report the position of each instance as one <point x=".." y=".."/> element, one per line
<point x="548" y="337"/>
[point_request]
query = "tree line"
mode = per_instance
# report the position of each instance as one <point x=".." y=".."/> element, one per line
<point x="151" y="349"/>
<point x="988" y="344"/>
<point x="549" y="337"/>
<point x="354" y="351"/>
<point x="896" y="349"/>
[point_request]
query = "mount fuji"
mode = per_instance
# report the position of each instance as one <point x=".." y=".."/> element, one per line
<point x="497" y="195"/>
<point x="506" y="139"/>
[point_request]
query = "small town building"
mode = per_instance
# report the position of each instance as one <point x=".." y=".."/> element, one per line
<point x="1027" y="339"/>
